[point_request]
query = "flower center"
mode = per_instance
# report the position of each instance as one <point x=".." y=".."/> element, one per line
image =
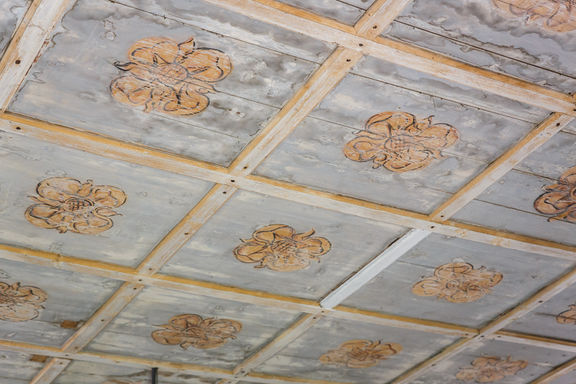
<point x="75" y="204"/>
<point x="398" y="143"/>
<point x="6" y="300"/>
<point x="284" y="247"/>
<point x="170" y="74"/>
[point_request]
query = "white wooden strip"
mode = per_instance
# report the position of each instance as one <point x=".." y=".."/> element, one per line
<point x="374" y="267"/>
<point x="26" y="44"/>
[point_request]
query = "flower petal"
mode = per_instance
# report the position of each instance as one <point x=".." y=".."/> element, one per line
<point x="207" y="64"/>
<point x="154" y="50"/>
<point x="58" y="188"/>
<point x="187" y="100"/>
<point x="132" y="91"/>
<point x="269" y="233"/>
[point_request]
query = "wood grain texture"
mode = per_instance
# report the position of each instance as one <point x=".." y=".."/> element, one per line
<point x="26" y="44"/>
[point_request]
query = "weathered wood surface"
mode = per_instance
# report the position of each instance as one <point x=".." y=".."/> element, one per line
<point x="209" y="255"/>
<point x="523" y="273"/>
<point x="539" y="361"/>
<point x="155" y="200"/>
<point x="11" y="13"/>
<point x="155" y="307"/>
<point x="478" y="32"/>
<point x="301" y="358"/>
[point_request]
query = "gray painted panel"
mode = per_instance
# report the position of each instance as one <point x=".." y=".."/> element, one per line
<point x="313" y="154"/>
<point x="221" y="21"/>
<point x="539" y="360"/>
<point x="508" y="206"/>
<point x="70" y="84"/>
<point x="11" y="12"/>
<point x="570" y="378"/>
<point x="483" y="135"/>
<point x="475" y="53"/>
<point x="15" y="368"/>
<point x="129" y="333"/>
<point x="209" y="256"/>
<point x="71" y="296"/>
<point x="156" y="200"/>
<point x="421" y="82"/>
<point x="301" y="357"/>
<point x="523" y="275"/>
<point x="479" y="23"/>
<point x="334" y="9"/>
<point x="553" y="158"/>
<point x="542" y="321"/>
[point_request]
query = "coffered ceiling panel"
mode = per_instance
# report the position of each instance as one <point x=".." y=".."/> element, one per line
<point x="495" y="361"/>
<point x="262" y="243"/>
<point x="556" y="318"/>
<point x="356" y="145"/>
<point x="533" y="40"/>
<point x="526" y="200"/>
<point x="45" y="306"/>
<point x="456" y="281"/>
<point x="66" y="201"/>
<point x="321" y="353"/>
<point x="167" y="325"/>
<point x="97" y="66"/>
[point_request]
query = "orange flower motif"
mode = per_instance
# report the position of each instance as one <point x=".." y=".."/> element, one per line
<point x="20" y="303"/>
<point x="193" y="330"/>
<point x="279" y="248"/>
<point x="490" y="369"/>
<point x="553" y="15"/>
<point x="567" y="317"/>
<point x="360" y="353"/>
<point x="559" y="199"/>
<point x="67" y="204"/>
<point x="399" y="142"/>
<point x="458" y="283"/>
<point x="169" y="77"/>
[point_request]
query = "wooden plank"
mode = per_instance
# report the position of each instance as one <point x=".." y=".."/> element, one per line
<point x="26" y="44"/>
<point x="425" y="366"/>
<point x="556" y="373"/>
<point x="533" y="340"/>
<point x="112" y="148"/>
<point x="119" y="150"/>
<point x="505" y="163"/>
<point x="360" y="315"/>
<point x="280" y="342"/>
<point x="379" y="16"/>
<point x="93" y="326"/>
<point x="496" y="325"/>
<point x="403" y="54"/>
<point x="53" y="368"/>
<point x="300" y="105"/>
<point x="186" y="228"/>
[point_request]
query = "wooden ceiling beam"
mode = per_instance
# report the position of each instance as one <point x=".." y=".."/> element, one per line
<point x="26" y="44"/>
<point x="53" y="368"/>
<point x="133" y="153"/>
<point x="406" y="55"/>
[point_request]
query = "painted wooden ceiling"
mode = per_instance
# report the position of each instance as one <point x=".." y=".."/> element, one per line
<point x="287" y="191"/>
